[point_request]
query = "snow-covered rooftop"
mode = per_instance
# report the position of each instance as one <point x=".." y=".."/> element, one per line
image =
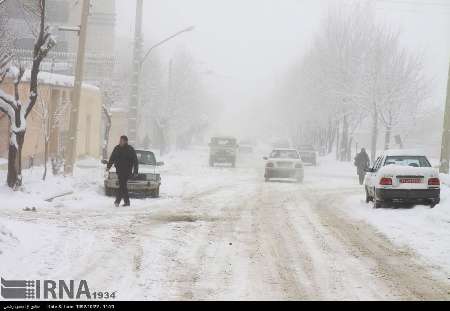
<point x="56" y="79"/>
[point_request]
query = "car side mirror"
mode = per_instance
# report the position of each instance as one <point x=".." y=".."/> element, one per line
<point x="159" y="163"/>
<point x="104" y="162"/>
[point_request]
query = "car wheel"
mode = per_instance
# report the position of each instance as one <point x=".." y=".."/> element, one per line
<point x="434" y="203"/>
<point x="155" y="193"/>
<point x="368" y="198"/>
<point x="109" y="192"/>
<point x="376" y="203"/>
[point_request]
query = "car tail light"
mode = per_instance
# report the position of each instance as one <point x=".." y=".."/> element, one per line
<point x="386" y="181"/>
<point x="269" y="165"/>
<point x="434" y="182"/>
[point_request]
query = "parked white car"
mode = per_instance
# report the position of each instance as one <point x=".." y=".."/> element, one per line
<point x="402" y="176"/>
<point x="147" y="182"/>
<point x="284" y="163"/>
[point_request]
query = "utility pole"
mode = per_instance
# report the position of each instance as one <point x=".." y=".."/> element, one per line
<point x="445" y="148"/>
<point x="76" y="94"/>
<point x="136" y="76"/>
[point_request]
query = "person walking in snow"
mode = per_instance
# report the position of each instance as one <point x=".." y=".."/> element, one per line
<point x="362" y="163"/>
<point x="125" y="161"/>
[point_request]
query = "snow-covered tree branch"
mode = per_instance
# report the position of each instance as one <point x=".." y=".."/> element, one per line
<point x="14" y="107"/>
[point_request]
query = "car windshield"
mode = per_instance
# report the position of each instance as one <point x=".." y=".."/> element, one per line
<point x="226" y="142"/>
<point x="414" y="161"/>
<point x="146" y="157"/>
<point x="284" y="154"/>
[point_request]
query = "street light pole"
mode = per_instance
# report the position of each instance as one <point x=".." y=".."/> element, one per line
<point x="138" y="62"/>
<point x="445" y="147"/>
<point x="71" y="144"/>
<point x="136" y="75"/>
<point x="191" y="28"/>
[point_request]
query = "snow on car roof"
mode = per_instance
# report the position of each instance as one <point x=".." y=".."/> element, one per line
<point x="404" y="170"/>
<point x="403" y="152"/>
<point x="223" y="137"/>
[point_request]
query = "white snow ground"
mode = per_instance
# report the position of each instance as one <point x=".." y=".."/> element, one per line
<point x="222" y="233"/>
<point x="420" y="228"/>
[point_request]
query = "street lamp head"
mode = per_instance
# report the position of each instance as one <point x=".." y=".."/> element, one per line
<point x="191" y="28"/>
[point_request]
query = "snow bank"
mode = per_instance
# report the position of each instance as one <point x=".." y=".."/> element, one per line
<point x="420" y="228"/>
<point x="85" y="184"/>
<point x="57" y="80"/>
<point x="7" y="239"/>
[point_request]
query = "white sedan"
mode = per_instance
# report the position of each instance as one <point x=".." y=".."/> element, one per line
<point x="402" y="176"/>
<point x="284" y="163"/>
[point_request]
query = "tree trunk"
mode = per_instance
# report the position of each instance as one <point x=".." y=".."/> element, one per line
<point x="14" y="178"/>
<point x="387" y="138"/>
<point x="45" y="158"/>
<point x="349" y="150"/>
<point x="331" y="137"/>
<point x="344" y="140"/>
<point x="337" y="141"/>
<point x="374" y="134"/>
<point x="388" y="134"/>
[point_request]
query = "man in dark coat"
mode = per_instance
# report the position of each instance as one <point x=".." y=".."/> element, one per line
<point x="125" y="161"/>
<point x="362" y="162"/>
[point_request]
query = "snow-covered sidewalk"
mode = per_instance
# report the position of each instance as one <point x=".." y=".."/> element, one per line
<point x="424" y="230"/>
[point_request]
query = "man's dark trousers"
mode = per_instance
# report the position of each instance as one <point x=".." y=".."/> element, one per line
<point x="122" y="192"/>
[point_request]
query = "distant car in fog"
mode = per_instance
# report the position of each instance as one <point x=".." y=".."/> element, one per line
<point x="308" y="154"/>
<point x="402" y="176"/>
<point x="147" y="182"/>
<point x="284" y="163"/>
<point x="223" y="149"/>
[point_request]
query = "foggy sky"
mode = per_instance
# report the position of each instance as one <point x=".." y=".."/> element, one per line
<point x="250" y="43"/>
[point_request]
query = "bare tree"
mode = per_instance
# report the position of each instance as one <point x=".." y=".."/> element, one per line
<point x="12" y="105"/>
<point x="178" y="116"/>
<point x="354" y="70"/>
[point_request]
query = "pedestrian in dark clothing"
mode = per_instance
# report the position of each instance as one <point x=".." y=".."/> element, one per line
<point x="362" y="163"/>
<point x="125" y="161"/>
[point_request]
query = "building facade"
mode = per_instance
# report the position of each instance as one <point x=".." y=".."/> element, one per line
<point x="51" y="115"/>
<point x="99" y="61"/>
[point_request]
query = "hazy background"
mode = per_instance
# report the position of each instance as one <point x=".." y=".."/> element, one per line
<point x="249" y="44"/>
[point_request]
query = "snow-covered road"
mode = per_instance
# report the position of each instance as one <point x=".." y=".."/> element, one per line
<point x="222" y="233"/>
